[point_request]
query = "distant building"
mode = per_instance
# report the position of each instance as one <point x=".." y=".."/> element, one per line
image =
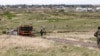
<point x="98" y="9"/>
<point x="90" y="10"/>
<point x="19" y="7"/>
<point x="80" y="9"/>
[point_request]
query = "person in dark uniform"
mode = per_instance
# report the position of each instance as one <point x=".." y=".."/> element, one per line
<point x="97" y="35"/>
<point x="42" y="32"/>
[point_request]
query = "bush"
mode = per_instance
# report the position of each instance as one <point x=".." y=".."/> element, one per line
<point x="3" y="32"/>
<point x="8" y="15"/>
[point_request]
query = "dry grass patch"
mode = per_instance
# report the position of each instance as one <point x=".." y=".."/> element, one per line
<point x="8" y="41"/>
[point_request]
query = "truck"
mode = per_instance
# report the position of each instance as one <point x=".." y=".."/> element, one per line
<point x="25" y="30"/>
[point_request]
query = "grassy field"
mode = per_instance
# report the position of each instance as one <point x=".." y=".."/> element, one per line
<point x="61" y="21"/>
<point x="53" y="21"/>
<point x="55" y="51"/>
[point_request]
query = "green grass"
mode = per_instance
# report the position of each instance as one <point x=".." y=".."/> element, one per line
<point x="54" y="20"/>
<point x="8" y="15"/>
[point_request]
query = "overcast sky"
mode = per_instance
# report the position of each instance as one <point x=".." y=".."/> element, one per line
<point x="5" y="2"/>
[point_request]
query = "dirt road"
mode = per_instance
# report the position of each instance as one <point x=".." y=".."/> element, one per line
<point x="71" y="42"/>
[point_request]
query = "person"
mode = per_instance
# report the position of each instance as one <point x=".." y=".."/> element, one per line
<point x="42" y="32"/>
<point x="97" y="35"/>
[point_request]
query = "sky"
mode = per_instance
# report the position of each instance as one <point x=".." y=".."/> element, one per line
<point x="30" y="2"/>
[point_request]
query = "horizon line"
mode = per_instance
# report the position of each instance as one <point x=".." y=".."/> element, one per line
<point x="49" y="4"/>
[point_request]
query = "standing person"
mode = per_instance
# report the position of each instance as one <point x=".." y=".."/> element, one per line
<point x="97" y="35"/>
<point x="42" y="32"/>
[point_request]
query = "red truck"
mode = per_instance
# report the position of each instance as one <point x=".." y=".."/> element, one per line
<point x="25" y="30"/>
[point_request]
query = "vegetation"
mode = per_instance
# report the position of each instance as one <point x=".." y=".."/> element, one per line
<point x="58" y="50"/>
<point x="8" y="14"/>
<point x="53" y="20"/>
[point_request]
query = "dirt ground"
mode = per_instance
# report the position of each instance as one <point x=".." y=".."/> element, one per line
<point x="79" y="39"/>
<point x="76" y="36"/>
<point x="10" y="41"/>
<point x="73" y="38"/>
